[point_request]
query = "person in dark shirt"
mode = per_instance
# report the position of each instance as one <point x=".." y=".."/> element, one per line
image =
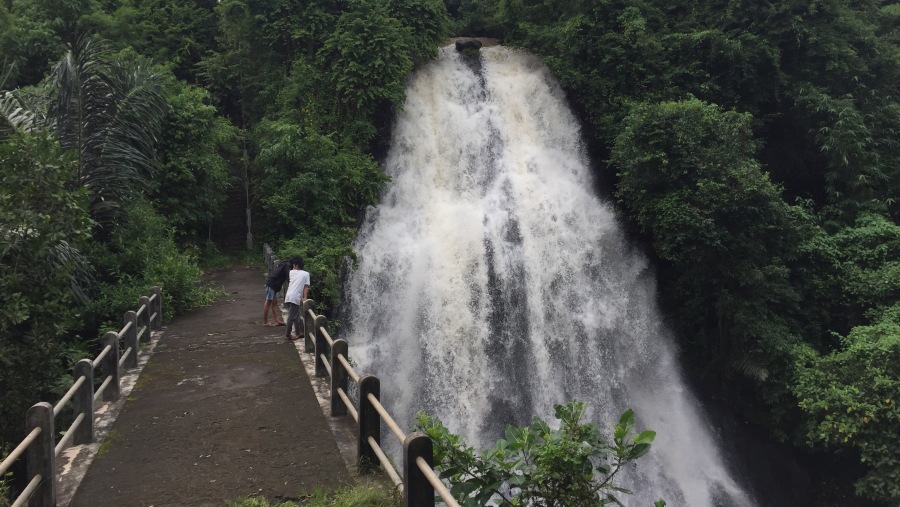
<point x="274" y="283"/>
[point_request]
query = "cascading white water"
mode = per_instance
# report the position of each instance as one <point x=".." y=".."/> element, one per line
<point x="493" y="283"/>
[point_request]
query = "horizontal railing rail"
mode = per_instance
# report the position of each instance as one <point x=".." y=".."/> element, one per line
<point x="417" y="478"/>
<point x="39" y="447"/>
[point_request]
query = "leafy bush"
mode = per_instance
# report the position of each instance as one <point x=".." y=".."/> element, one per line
<point x="192" y="179"/>
<point x="870" y="251"/>
<point x="313" y="190"/>
<point x="369" y="57"/>
<point x="851" y="397"/>
<point x="426" y="23"/>
<point x="4" y="490"/>
<point x="323" y="257"/>
<point x="43" y="225"/>
<point x="312" y="181"/>
<point x="690" y="180"/>
<point x="142" y="253"/>
<point x="535" y="465"/>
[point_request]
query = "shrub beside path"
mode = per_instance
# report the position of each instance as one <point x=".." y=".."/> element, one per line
<point x="223" y="409"/>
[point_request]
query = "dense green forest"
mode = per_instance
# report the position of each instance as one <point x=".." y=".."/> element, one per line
<point x="751" y="146"/>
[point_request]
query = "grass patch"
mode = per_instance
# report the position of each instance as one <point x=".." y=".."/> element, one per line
<point x="351" y="496"/>
<point x="206" y="296"/>
<point x="4" y="487"/>
<point x="147" y="376"/>
<point x="213" y="259"/>
<point x="111" y="438"/>
<point x="252" y="257"/>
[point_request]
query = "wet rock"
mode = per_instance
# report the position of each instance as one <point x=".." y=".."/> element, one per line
<point x="466" y="45"/>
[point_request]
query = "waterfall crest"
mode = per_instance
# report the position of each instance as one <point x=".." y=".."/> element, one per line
<point x="493" y="283"/>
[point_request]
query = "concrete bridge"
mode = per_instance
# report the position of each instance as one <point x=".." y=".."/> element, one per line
<point x="223" y="408"/>
<point x="212" y="408"/>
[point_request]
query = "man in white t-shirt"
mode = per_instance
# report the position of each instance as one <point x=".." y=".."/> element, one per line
<point x="298" y="289"/>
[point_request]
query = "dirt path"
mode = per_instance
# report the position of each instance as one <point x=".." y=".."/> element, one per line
<point x="223" y="409"/>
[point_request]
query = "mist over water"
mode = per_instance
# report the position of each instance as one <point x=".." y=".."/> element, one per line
<point x="494" y="283"/>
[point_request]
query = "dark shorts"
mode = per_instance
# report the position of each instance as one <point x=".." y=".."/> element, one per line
<point x="270" y="294"/>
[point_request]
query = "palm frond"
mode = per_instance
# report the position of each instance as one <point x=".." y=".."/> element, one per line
<point x="6" y="71"/>
<point x="25" y="110"/>
<point x="81" y="90"/>
<point x="750" y="367"/>
<point x="109" y="111"/>
<point x="81" y="275"/>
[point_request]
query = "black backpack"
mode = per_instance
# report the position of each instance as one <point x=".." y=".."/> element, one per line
<point x="278" y="275"/>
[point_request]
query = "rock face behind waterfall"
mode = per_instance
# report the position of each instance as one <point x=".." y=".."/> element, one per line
<point x="476" y="43"/>
<point x="463" y="45"/>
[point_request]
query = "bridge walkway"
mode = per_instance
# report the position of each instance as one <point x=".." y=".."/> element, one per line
<point x="223" y="409"/>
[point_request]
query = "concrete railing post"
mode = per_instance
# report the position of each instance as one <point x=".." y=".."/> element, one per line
<point x="157" y="308"/>
<point x="321" y="345"/>
<point x="41" y="455"/>
<point x="417" y="491"/>
<point x="369" y="423"/>
<point x="144" y="318"/>
<point x="268" y="256"/>
<point x="309" y="344"/>
<point x="130" y="339"/>
<point x="110" y="365"/>
<point x="338" y="377"/>
<point x="274" y="263"/>
<point x="83" y="401"/>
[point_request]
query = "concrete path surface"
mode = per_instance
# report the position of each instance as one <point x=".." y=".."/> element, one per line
<point x="223" y="409"/>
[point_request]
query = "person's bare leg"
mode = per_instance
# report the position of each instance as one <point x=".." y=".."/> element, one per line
<point x="266" y="314"/>
<point x="276" y="313"/>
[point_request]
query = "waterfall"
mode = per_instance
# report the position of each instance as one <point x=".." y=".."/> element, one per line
<point x="492" y="282"/>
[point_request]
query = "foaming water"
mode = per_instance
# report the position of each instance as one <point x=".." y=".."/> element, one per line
<point x="493" y="283"/>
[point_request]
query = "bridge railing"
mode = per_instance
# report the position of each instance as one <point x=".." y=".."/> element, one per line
<point x="269" y="258"/>
<point x="40" y="446"/>
<point x="419" y="482"/>
<point x="417" y="479"/>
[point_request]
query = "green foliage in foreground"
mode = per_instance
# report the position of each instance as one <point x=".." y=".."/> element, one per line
<point x="357" y="496"/>
<point x="539" y="466"/>
<point x="4" y="493"/>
